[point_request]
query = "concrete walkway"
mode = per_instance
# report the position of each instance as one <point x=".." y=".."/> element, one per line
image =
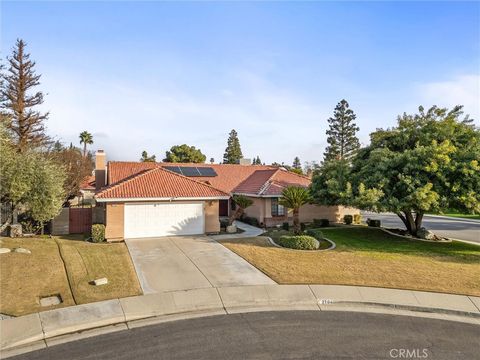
<point x="39" y="330"/>
<point x="189" y="262"/>
<point x="248" y="231"/>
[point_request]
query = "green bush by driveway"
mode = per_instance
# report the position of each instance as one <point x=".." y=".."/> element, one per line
<point x="298" y="242"/>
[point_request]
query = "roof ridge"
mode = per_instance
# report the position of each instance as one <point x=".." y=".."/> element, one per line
<point x="267" y="183"/>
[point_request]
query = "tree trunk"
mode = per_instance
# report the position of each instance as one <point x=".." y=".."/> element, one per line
<point x="84" y="149"/>
<point x="236" y="215"/>
<point x="412" y="223"/>
<point x="41" y="228"/>
<point x="296" y="222"/>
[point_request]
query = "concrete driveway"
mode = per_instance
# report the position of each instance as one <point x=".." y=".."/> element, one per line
<point x="189" y="262"/>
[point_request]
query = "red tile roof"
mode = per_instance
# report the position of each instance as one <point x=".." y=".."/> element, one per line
<point x="270" y="182"/>
<point x="159" y="183"/>
<point x="149" y="179"/>
<point x="88" y="183"/>
<point x="229" y="175"/>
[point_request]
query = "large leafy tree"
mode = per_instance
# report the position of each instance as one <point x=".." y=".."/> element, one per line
<point x="342" y="140"/>
<point x="86" y="139"/>
<point x="294" y="197"/>
<point x="429" y="162"/>
<point x="147" y="158"/>
<point x="19" y="101"/>
<point x="31" y="182"/>
<point x="184" y="154"/>
<point x="233" y="152"/>
<point x="77" y="167"/>
<point x="330" y="182"/>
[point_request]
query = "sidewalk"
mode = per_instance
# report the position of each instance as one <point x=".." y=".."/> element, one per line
<point x="40" y="330"/>
<point x="248" y="231"/>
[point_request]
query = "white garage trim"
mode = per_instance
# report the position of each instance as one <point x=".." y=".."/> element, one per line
<point x="154" y="219"/>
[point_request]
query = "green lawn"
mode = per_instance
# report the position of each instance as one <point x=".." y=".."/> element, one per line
<point x="64" y="266"/>
<point x="456" y="214"/>
<point x="370" y="257"/>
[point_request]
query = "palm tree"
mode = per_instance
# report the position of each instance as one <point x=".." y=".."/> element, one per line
<point x="86" y="139"/>
<point x="293" y="197"/>
<point x="242" y="202"/>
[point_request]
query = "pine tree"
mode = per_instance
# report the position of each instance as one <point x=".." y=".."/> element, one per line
<point x="257" y="161"/>
<point x="296" y="163"/>
<point x="233" y="152"/>
<point x="25" y="123"/>
<point x="146" y="158"/>
<point x="342" y="140"/>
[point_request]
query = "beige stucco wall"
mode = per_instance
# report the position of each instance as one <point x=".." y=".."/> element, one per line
<point x="332" y="213"/>
<point x="212" y="221"/>
<point x="114" y="220"/>
<point x="257" y="209"/>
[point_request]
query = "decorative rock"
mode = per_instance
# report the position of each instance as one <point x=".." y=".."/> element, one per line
<point x="231" y="229"/>
<point x="22" y="251"/>
<point x="4" y="250"/>
<point x="15" y="230"/>
<point x="51" y="300"/>
<point x="101" y="281"/>
<point x="426" y="234"/>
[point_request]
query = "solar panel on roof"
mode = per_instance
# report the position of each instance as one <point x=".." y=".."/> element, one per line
<point x="189" y="171"/>
<point x="207" y="171"/>
<point x="174" y="169"/>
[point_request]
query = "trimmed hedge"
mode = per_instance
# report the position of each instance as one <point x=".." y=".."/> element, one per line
<point x="317" y="234"/>
<point x="373" y="223"/>
<point x="98" y="233"/>
<point x="298" y="242"/>
<point x="286" y="226"/>
<point x="348" y="219"/>
<point x="321" y="222"/>
<point x="250" y="221"/>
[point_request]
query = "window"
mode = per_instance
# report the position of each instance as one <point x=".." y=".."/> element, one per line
<point x="277" y="209"/>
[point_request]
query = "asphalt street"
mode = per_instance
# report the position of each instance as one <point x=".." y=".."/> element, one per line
<point x="462" y="229"/>
<point x="280" y="335"/>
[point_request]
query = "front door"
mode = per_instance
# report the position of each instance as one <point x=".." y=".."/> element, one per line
<point x="223" y="208"/>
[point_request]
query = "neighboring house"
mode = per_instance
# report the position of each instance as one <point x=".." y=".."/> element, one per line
<point x="86" y="193"/>
<point x="146" y="199"/>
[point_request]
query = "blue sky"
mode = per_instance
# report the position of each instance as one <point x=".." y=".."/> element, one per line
<point x="149" y="75"/>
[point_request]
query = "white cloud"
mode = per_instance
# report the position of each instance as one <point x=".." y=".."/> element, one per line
<point x="274" y="123"/>
<point x="460" y="90"/>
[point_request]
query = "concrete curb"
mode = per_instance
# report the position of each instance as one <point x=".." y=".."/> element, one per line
<point x="40" y="330"/>
<point x="416" y="239"/>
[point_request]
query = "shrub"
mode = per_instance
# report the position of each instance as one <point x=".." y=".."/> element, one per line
<point x="223" y="223"/>
<point x="317" y="234"/>
<point x="357" y="219"/>
<point x="303" y="226"/>
<point x="348" y="219"/>
<point x="286" y="226"/>
<point x="373" y="223"/>
<point x="299" y="242"/>
<point x="250" y="221"/>
<point x="98" y="233"/>
<point x="321" y="222"/>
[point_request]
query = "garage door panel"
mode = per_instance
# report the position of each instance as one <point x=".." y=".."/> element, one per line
<point x="163" y="219"/>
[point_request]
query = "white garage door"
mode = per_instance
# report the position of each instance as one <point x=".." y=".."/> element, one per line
<point x="163" y="219"/>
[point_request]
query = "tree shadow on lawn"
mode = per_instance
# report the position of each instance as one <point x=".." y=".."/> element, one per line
<point x="375" y="240"/>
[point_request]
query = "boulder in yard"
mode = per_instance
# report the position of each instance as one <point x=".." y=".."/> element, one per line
<point x="101" y="281"/>
<point x="22" y="250"/>
<point x="231" y="229"/>
<point x="426" y="234"/>
<point x="15" y="230"/>
<point x="4" y="250"/>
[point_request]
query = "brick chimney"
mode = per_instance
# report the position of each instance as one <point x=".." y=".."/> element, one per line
<point x="100" y="169"/>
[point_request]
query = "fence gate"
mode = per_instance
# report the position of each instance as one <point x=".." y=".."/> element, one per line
<point x="80" y="220"/>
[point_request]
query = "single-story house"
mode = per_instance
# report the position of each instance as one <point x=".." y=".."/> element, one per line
<point x="148" y="199"/>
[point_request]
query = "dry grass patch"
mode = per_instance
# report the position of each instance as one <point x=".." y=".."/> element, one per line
<point x="370" y="257"/>
<point x="88" y="261"/>
<point x="24" y="278"/>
